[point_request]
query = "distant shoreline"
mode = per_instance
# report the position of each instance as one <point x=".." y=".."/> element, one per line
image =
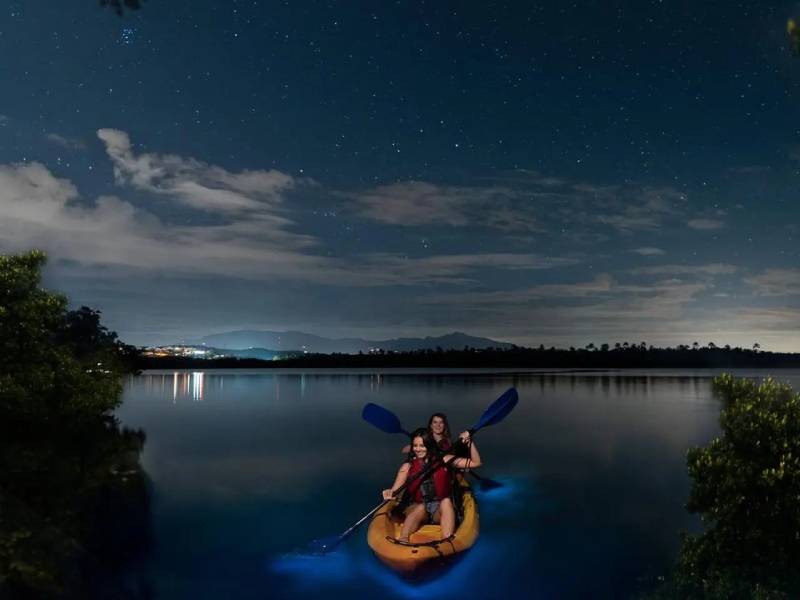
<point x="518" y="358"/>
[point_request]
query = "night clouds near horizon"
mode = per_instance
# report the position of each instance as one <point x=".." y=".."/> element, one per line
<point x="537" y="173"/>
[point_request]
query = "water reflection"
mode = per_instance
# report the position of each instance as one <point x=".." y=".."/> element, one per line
<point x="593" y="466"/>
<point x="74" y="512"/>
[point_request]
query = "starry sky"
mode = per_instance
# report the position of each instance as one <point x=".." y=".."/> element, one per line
<point x="537" y="172"/>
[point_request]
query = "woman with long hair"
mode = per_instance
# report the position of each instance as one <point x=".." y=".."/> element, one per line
<point x="439" y="428"/>
<point x="430" y="487"/>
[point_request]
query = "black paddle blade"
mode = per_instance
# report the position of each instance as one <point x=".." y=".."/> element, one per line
<point x="489" y="484"/>
<point x="381" y="418"/>
<point x="498" y="410"/>
<point x="485" y="483"/>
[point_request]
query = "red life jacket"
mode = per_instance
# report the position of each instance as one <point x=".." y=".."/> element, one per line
<point x="444" y="444"/>
<point x="440" y="477"/>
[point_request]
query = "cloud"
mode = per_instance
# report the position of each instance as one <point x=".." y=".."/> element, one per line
<point x="776" y="282"/>
<point x="41" y="210"/>
<point x="706" y="224"/>
<point x="524" y="201"/>
<point x="416" y="203"/>
<point x="387" y="269"/>
<point x="709" y="269"/>
<point x="65" y="142"/>
<point x="648" y="251"/>
<point x="194" y="183"/>
<point x="640" y="209"/>
<point x="601" y="308"/>
<point x="779" y="319"/>
<point x="625" y="208"/>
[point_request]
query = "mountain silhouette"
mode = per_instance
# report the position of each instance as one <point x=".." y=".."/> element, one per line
<point x="299" y="341"/>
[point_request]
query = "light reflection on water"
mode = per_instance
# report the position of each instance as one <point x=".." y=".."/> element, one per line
<point x="247" y="465"/>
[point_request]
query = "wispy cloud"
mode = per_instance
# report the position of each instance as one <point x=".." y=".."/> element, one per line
<point x="415" y="203"/>
<point x="195" y="183"/>
<point x="709" y="269"/>
<point x="41" y="210"/>
<point x="775" y="282"/>
<point x="600" y="309"/>
<point x="65" y="142"/>
<point x="524" y="201"/>
<point x="648" y="251"/>
<point x="642" y="209"/>
<point x="387" y="269"/>
<point x="706" y="224"/>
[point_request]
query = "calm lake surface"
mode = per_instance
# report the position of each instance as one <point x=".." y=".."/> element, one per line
<point x="248" y="466"/>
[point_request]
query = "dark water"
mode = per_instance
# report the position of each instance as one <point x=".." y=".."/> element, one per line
<point x="248" y="466"/>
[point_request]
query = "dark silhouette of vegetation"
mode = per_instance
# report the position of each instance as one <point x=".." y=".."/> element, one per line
<point x="54" y="364"/>
<point x="91" y="342"/>
<point x="73" y="503"/>
<point x="622" y="356"/>
<point x="746" y="488"/>
<point x="74" y="511"/>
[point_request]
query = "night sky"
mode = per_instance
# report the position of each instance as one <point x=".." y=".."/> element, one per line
<point x="536" y="172"/>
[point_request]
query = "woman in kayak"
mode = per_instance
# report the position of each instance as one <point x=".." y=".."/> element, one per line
<point x="430" y="493"/>
<point x="440" y="430"/>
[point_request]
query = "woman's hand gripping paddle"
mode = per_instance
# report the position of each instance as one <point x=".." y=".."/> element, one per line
<point x="498" y="411"/>
<point x="387" y="421"/>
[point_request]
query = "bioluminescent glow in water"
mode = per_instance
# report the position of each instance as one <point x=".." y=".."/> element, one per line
<point x="571" y="519"/>
<point x="354" y="566"/>
<point x="312" y="570"/>
<point x="453" y="577"/>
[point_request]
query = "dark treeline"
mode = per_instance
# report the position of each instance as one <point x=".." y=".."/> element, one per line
<point x="621" y="356"/>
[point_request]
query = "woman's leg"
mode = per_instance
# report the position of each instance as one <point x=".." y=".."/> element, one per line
<point x="446" y="515"/>
<point x="414" y="517"/>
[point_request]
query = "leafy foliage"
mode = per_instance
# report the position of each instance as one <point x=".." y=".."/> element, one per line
<point x="746" y="488"/>
<point x="73" y="501"/>
<point x="54" y="364"/>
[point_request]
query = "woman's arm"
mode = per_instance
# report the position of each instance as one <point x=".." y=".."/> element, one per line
<point x="474" y="460"/>
<point x="402" y="475"/>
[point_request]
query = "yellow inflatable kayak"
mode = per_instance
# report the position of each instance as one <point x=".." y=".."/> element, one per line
<point x="425" y="549"/>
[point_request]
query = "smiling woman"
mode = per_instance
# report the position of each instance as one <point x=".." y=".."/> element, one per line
<point x="430" y="494"/>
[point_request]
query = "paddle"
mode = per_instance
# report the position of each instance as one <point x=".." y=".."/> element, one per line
<point x="387" y="421"/>
<point x="491" y="416"/>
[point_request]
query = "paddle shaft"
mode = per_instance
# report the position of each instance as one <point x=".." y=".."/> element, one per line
<point x="398" y="429"/>
<point x="434" y="464"/>
<point x="441" y="452"/>
<point x="492" y="415"/>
